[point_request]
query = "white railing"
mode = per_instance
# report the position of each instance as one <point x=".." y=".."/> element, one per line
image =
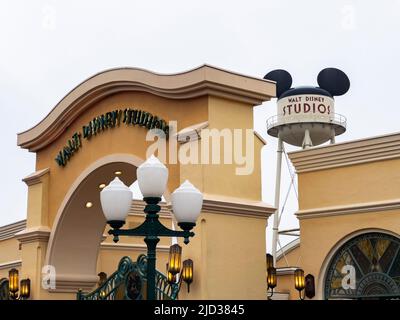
<point x="334" y="118"/>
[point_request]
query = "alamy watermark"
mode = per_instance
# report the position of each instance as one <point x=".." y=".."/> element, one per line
<point x="205" y="146"/>
<point x="48" y="277"/>
<point x="349" y="280"/>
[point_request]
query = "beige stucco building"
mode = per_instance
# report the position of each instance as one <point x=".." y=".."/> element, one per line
<point x="345" y="190"/>
<point x="60" y="231"/>
<point x="349" y="213"/>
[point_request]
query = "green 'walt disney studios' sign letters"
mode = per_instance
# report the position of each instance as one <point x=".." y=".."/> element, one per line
<point x="110" y="120"/>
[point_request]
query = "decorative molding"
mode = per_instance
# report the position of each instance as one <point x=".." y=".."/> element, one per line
<point x="365" y="207"/>
<point x="137" y="208"/>
<point x="35" y="177"/>
<point x="8" y="231"/>
<point x="72" y="283"/>
<point x="280" y="296"/>
<point x="10" y="264"/>
<point x="236" y="207"/>
<point x="285" y="271"/>
<point x="292" y="245"/>
<point x="191" y="133"/>
<point x="130" y="246"/>
<point x="347" y="153"/>
<point x="201" y="81"/>
<point x="33" y="234"/>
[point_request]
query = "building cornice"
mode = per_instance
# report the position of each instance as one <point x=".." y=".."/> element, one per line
<point x="236" y="207"/>
<point x="10" y="264"/>
<point x="33" y="234"/>
<point x="215" y="204"/>
<point x="201" y="81"/>
<point x="193" y="133"/>
<point x="347" y="153"/>
<point x="137" y="208"/>
<point x="364" y="207"/>
<point x="285" y="271"/>
<point x="72" y="283"/>
<point x="8" y="231"/>
<point x="35" y="177"/>
<point x="131" y="247"/>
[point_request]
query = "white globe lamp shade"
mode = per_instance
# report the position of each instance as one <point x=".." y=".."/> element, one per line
<point x="116" y="200"/>
<point x="152" y="176"/>
<point x="187" y="202"/>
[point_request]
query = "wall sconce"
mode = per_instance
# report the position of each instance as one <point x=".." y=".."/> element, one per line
<point x="14" y="286"/>
<point x="171" y="278"/>
<point x="187" y="272"/>
<point x="175" y="257"/>
<point x="310" y="286"/>
<point x="271" y="275"/>
<point x="299" y="281"/>
<point x="269" y="261"/>
<point x="176" y="267"/>
<point x="271" y="280"/>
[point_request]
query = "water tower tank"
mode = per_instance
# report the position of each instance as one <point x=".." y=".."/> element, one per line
<point x="306" y="115"/>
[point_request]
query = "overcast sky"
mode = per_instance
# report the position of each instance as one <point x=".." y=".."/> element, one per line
<point x="49" y="47"/>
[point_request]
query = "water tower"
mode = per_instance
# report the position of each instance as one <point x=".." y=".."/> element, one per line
<point x="305" y="117"/>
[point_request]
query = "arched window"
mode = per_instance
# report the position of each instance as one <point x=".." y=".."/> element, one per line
<point x="367" y="266"/>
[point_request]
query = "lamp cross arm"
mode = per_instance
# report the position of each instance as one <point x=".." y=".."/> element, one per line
<point x="151" y="227"/>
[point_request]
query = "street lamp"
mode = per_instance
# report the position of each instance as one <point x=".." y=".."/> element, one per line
<point x="116" y="200"/>
<point x="13" y="284"/>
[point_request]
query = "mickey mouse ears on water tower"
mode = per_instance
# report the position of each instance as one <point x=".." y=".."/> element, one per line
<point x="282" y="78"/>
<point x="333" y="80"/>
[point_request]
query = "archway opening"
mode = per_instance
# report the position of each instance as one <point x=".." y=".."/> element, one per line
<point x="77" y="235"/>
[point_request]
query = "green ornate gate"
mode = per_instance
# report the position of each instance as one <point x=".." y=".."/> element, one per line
<point x="129" y="283"/>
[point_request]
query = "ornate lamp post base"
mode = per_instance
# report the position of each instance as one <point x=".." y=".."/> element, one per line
<point x="151" y="229"/>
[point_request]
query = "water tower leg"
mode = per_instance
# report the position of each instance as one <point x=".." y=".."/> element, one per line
<point x="275" y="228"/>
<point x="332" y="136"/>
<point x="307" y="142"/>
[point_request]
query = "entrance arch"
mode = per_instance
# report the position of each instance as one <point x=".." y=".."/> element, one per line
<point x="366" y="265"/>
<point x="67" y="160"/>
<point x="77" y="230"/>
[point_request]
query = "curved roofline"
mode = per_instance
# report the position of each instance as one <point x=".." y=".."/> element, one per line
<point x="292" y="245"/>
<point x="200" y="81"/>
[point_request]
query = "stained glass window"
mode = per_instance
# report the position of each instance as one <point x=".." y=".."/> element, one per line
<point x="367" y="266"/>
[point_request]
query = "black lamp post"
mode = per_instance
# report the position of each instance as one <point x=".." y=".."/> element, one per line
<point x="116" y="199"/>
